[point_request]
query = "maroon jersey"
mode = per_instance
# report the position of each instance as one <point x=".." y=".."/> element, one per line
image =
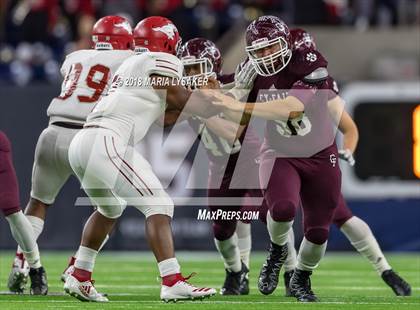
<point x="313" y="131"/>
<point x="226" y="78"/>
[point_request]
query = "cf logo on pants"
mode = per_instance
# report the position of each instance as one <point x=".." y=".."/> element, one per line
<point x="333" y="159"/>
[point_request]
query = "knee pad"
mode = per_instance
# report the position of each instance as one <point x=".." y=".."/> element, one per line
<point x="165" y="206"/>
<point x="112" y="212"/>
<point x="317" y="235"/>
<point x="283" y="210"/>
<point x="223" y="230"/>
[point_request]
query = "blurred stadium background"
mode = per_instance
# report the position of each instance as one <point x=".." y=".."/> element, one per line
<point x="373" y="48"/>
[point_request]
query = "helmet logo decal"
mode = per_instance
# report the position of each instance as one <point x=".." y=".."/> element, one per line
<point x="126" y="26"/>
<point x="210" y="50"/>
<point x="281" y="27"/>
<point x="168" y="29"/>
<point x="311" y="57"/>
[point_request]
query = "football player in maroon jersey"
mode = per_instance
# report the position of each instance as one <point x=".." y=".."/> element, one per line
<point x="355" y="229"/>
<point x="299" y="154"/>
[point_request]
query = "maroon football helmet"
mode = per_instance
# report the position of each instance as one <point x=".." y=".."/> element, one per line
<point x="157" y="34"/>
<point x="268" y="44"/>
<point x="302" y="39"/>
<point x="204" y="54"/>
<point x="112" y="32"/>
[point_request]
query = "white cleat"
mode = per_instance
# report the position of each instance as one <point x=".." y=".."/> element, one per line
<point x="84" y="291"/>
<point x="69" y="270"/>
<point x="182" y="290"/>
<point x="18" y="275"/>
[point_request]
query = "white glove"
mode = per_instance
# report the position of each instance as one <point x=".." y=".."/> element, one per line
<point x="245" y="75"/>
<point x="347" y="156"/>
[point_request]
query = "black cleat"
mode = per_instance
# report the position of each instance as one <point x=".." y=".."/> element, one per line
<point x="234" y="282"/>
<point x="39" y="285"/>
<point x="269" y="275"/>
<point x="300" y="286"/>
<point x="244" y="286"/>
<point x="394" y="281"/>
<point x="287" y="276"/>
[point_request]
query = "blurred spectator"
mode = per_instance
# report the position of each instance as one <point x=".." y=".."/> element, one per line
<point x="375" y="12"/>
<point x="57" y="27"/>
<point x="83" y="40"/>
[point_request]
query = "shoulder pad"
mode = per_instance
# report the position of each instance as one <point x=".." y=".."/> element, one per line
<point x="306" y="61"/>
<point x="319" y="74"/>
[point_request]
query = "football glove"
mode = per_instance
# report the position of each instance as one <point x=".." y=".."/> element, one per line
<point x="347" y="156"/>
<point x="245" y="75"/>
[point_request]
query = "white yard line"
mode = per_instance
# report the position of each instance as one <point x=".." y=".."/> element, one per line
<point x="227" y="302"/>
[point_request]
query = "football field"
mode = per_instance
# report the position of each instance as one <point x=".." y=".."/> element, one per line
<point x="343" y="281"/>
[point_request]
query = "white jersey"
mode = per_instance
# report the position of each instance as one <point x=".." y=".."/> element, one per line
<point x="87" y="77"/>
<point x="132" y="104"/>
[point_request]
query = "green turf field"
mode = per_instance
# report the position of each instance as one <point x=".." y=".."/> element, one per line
<point x="343" y="281"/>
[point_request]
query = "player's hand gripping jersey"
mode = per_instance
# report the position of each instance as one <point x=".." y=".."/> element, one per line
<point x="87" y="77"/>
<point x="132" y="104"/>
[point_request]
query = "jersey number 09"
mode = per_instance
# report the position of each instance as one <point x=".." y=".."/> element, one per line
<point x="98" y="85"/>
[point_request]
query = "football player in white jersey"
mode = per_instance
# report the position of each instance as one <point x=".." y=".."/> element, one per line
<point x="87" y="76"/>
<point x="115" y="175"/>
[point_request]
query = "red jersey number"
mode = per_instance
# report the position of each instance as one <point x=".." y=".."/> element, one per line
<point x="92" y="81"/>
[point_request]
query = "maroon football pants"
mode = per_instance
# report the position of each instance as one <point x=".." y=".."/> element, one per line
<point x="315" y="181"/>
<point x="343" y="213"/>
<point x="9" y="192"/>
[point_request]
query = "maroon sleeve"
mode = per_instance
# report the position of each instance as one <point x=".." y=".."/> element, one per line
<point x="226" y="78"/>
<point x="303" y="91"/>
<point x="333" y="87"/>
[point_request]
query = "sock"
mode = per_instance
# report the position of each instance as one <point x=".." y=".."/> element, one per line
<point x="37" y="226"/>
<point x="278" y="231"/>
<point x="169" y="267"/>
<point x="85" y="261"/>
<point x="291" y="261"/>
<point x="243" y="231"/>
<point x="72" y="260"/>
<point x="310" y="254"/>
<point x="23" y="233"/>
<point x="229" y="251"/>
<point x="100" y="248"/>
<point x="363" y="240"/>
<point x="82" y="275"/>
